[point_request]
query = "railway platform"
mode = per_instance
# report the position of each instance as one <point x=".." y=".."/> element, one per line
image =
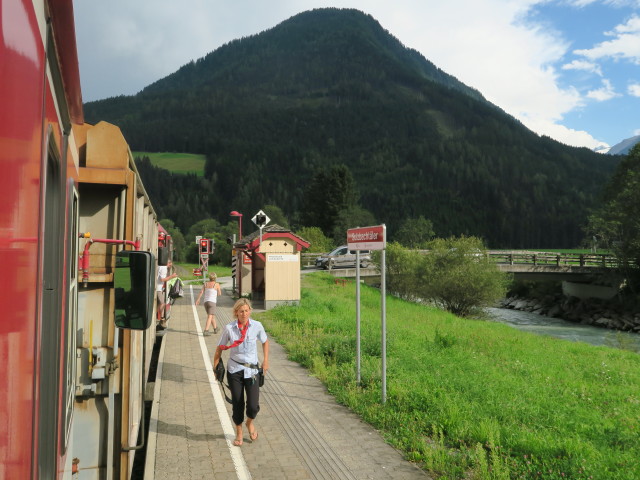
<point x="303" y="432"/>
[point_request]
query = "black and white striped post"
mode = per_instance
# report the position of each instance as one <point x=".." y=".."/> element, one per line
<point x="234" y="263"/>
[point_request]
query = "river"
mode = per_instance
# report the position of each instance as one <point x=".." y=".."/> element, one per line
<point x="556" y="327"/>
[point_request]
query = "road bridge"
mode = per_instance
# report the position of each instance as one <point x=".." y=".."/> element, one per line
<point x="527" y="265"/>
<point x="523" y="264"/>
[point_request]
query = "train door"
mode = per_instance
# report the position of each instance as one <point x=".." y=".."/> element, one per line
<point x="49" y="329"/>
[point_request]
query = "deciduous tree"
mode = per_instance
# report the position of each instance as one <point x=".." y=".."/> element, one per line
<point x="617" y="222"/>
<point x="415" y="232"/>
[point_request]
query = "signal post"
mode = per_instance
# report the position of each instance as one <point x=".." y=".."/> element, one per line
<point x="205" y="248"/>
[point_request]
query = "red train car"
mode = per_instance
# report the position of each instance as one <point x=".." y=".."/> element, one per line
<point x="71" y="382"/>
<point x="40" y="98"/>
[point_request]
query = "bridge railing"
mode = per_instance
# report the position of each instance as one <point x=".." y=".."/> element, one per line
<point x="552" y="258"/>
<point x="521" y="257"/>
<point x="309" y="259"/>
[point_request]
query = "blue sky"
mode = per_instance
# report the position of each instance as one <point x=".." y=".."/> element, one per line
<point x="569" y="69"/>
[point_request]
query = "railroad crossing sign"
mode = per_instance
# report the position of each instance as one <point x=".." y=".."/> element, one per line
<point x="260" y="219"/>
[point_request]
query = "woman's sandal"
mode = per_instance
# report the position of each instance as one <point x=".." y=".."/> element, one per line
<point x="253" y="436"/>
<point x="237" y="442"/>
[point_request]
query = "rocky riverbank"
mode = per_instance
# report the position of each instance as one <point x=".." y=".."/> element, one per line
<point x="593" y="312"/>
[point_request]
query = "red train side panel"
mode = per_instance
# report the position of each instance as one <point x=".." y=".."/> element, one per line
<point x="37" y="175"/>
<point x="22" y="74"/>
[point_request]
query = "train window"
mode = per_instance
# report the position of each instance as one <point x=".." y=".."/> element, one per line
<point x="134" y="285"/>
<point x="71" y="324"/>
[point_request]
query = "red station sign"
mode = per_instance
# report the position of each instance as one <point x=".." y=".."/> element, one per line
<point x="367" y="238"/>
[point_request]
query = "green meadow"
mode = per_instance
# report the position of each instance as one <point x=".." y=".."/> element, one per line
<point x="186" y="271"/>
<point x="468" y="398"/>
<point x="176" y="162"/>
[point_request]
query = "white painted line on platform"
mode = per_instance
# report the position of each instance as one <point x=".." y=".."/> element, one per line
<point x="152" y="436"/>
<point x="227" y="426"/>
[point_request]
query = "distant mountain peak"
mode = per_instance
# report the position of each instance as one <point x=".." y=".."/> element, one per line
<point x="313" y="51"/>
<point x="624" y="147"/>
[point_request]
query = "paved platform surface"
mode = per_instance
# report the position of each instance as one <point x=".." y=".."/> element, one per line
<point x="303" y="432"/>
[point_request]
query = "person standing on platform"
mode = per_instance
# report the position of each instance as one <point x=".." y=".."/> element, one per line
<point x="242" y="368"/>
<point x="162" y="277"/>
<point x="211" y="290"/>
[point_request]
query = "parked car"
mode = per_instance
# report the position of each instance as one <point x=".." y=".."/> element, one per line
<point x="341" y="257"/>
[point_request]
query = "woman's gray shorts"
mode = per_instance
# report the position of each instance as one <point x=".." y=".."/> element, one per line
<point x="210" y="307"/>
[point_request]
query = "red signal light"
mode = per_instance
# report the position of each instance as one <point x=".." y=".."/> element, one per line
<point x="204" y="246"/>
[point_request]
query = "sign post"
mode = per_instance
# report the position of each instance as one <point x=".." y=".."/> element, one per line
<point x="371" y="238"/>
<point x="205" y="248"/>
<point x="260" y="219"/>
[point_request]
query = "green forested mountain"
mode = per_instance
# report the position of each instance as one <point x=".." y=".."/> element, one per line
<point x="331" y="87"/>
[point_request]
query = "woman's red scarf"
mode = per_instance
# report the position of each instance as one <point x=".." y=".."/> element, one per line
<point x="243" y="334"/>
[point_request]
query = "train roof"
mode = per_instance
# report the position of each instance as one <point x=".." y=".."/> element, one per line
<point x="64" y="34"/>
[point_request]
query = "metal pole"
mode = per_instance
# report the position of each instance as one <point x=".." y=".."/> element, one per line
<point x="358" y="316"/>
<point x="383" y="291"/>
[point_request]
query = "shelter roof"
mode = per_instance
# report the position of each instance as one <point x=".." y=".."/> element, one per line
<point x="252" y="241"/>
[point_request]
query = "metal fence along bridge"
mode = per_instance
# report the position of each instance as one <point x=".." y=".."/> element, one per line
<point x="522" y="264"/>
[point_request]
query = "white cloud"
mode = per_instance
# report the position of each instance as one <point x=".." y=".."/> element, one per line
<point x="583" y="65"/>
<point x="568" y="136"/>
<point x="488" y="47"/>
<point x="606" y="92"/>
<point x="634" y="89"/>
<point x="624" y="45"/>
<point x="124" y="46"/>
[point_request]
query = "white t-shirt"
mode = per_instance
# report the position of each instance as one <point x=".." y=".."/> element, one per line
<point x="162" y="273"/>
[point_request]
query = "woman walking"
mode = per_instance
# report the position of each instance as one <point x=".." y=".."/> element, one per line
<point x="211" y="290"/>
<point x="242" y="368"/>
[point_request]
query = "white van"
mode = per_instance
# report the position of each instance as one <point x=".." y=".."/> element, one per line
<point x="341" y="257"/>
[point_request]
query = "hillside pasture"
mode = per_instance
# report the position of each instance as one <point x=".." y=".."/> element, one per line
<point x="182" y="163"/>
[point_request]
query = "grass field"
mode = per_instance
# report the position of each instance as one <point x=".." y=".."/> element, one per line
<point x="470" y="399"/>
<point x="187" y="271"/>
<point x="176" y="162"/>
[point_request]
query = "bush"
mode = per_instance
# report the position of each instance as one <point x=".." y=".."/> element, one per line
<point x="319" y="242"/>
<point x="401" y="271"/>
<point x="455" y="274"/>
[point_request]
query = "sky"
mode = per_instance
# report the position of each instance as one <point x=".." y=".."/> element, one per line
<point x="568" y="69"/>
